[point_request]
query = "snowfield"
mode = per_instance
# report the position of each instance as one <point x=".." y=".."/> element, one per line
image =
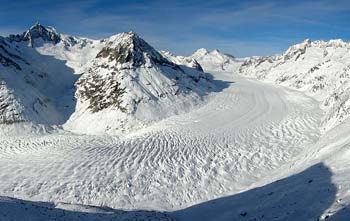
<point x="213" y="151"/>
<point x="212" y="145"/>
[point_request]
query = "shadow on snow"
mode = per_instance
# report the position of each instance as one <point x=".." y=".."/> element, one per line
<point x="300" y="197"/>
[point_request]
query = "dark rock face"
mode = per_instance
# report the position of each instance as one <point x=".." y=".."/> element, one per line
<point x="35" y="32"/>
<point x="196" y="65"/>
<point x="134" y="50"/>
<point x="8" y="62"/>
<point x="5" y="55"/>
<point x="94" y="89"/>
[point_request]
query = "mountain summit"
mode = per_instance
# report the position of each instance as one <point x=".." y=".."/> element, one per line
<point x="129" y="48"/>
<point x="130" y="81"/>
<point x="37" y="31"/>
<point x="216" y="60"/>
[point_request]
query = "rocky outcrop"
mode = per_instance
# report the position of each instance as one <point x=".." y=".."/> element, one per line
<point x="131" y="49"/>
<point x="128" y="71"/>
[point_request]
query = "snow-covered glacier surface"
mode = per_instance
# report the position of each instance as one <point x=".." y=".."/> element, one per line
<point x="216" y="150"/>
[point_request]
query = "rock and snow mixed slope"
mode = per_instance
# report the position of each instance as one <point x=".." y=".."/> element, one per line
<point x="321" y="69"/>
<point x="130" y="82"/>
<point x="92" y="86"/>
<point x="182" y="60"/>
<point x="28" y="92"/>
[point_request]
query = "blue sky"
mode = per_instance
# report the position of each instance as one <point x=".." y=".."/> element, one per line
<point x="242" y="28"/>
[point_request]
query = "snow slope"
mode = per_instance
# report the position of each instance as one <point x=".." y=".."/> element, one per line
<point x="22" y="87"/>
<point x="37" y="87"/>
<point x="318" y="68"/>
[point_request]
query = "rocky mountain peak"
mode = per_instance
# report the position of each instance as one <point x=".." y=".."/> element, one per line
<point x="128" y="47"/>
<point x="202" y="52"/>
<point x="35" y="32"/>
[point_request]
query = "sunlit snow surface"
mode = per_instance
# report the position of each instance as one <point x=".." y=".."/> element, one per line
<point x="238" y="140"/>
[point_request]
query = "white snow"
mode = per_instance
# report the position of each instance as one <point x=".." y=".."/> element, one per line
<point x="214" y="151"/>
<point x="318" y="68"/>
<point x="215" y="60"/>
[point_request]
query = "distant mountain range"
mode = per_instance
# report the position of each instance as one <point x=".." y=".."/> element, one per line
<point x="93" y="86"/>
<point x="121" y="83"/>
<point x="321" y="69"/>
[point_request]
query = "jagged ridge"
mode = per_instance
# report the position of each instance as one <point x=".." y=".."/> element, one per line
<point x="35" y="32"/>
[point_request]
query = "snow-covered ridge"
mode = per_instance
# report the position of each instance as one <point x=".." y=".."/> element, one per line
<point x="182" y="60"/>
<point x="216" y="60"/>
<point x="209" y="61"/>
<point x="319" y="68"/>
<point x="35" y="32"/>
<point x="38" y="34"/>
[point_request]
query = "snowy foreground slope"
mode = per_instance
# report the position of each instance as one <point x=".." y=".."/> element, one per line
<point x="247" y="150"/>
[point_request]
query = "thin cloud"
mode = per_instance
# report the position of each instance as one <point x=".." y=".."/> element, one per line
<point x="235" y="27"/>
